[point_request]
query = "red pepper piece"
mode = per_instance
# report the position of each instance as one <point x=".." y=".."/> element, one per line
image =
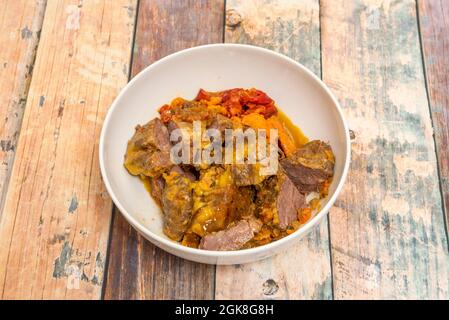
<point x="165" y="112"/>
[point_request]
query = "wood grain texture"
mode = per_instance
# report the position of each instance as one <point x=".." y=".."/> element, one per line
<point x="138" y="269"/>
<point x="21" y="24"/>
<point x="55" y="224"/>
<point x="434" y="26"/>
<point x="304" y="271"/>
<point x="387" y="228"/>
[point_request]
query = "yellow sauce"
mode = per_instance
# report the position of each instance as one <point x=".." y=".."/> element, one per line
<point x="296" y="133"/>
<point x="146" y="183"/>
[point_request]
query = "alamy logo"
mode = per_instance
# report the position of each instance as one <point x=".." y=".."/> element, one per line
<point x="249" y="146"/>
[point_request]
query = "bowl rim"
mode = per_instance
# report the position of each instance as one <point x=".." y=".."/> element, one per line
<point x="303" y="230"/>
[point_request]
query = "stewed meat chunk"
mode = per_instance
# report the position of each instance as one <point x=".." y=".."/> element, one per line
<point x="309" y="166"/>
<point x="148" y="151"/>
<point x="177" y="204"/>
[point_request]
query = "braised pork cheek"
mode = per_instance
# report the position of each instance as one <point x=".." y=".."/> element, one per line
<point x="148" y="151"/>
<point x="232" y="238"/>
<point x="279" y="199"/>
<point x="157" y="186"/>
<point x="177" y="203"/>
<point x="310" y="165"/>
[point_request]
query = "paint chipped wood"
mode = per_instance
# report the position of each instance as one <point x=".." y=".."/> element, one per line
<point x="302" y="272"/>
<point x="21" y="25"/>
<point x="387" y="228"/>
<point x="138" y="269"/>
<point x="55" y="224"/>
<point x="434" y="25"/>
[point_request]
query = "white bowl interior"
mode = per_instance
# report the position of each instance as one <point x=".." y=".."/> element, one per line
<point x="300" y="95"/>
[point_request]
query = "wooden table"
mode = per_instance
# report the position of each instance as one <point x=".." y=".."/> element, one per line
<point x="63" y="62"/>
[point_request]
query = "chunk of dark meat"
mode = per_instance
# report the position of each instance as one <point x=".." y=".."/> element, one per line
<point x="157" y="185"/>
<point x="289" y="200"/>
<point x="156" y="188"/>
<point x="246" y="174"/>
<point x="177" y="203"/>
<point x="309" y="166"/>
<point x="242" y="204"/>
<point x="278" y="196"/>
<point x="232" y="238"/>
<point x="148" y="151"/>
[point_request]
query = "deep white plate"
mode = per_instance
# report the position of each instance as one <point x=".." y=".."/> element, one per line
<point x="302" y="96"/>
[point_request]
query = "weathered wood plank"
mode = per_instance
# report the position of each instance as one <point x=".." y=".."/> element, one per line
<point x="138" y="269"/>
<point x="387" y="228"/>
<point x="434" y="25"/>
<point x="21" y="24"/>
<point x="55" y="225"/>
<point x="292" y="28"/>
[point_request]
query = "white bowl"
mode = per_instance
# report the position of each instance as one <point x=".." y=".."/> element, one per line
<point x="297" y="92"/>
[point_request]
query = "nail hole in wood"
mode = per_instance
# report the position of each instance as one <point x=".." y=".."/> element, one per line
<point x="270" y="287"/>
<point x="233" y="18"/>
<point x="351" y="134"/>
